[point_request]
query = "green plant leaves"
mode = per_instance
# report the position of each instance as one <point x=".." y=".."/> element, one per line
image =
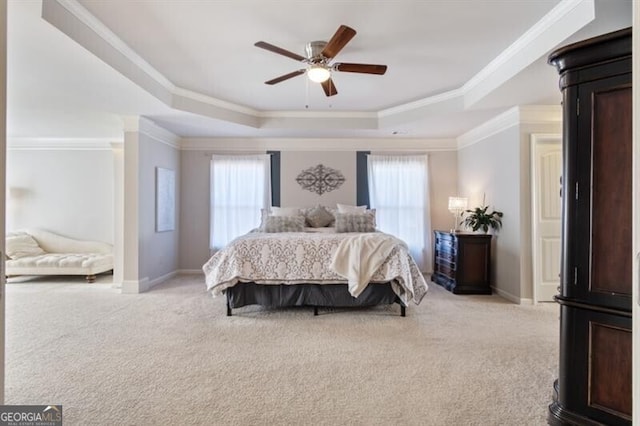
<point x="478" y="218"/>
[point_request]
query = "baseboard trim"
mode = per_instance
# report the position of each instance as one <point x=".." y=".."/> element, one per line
<point x="161" y="279"/>
<point x="512" y="298"/>
<point x="135" y="286"/>
<point x="190" y="271"/>
<point x="144" y="284"/>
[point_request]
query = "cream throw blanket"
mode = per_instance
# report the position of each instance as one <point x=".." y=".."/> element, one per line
<point x="357" y="258"/>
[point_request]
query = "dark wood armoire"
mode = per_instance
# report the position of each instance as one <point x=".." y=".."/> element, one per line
<point x="594" y="380"/>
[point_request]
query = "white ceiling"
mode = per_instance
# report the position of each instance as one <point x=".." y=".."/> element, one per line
<point x="75" y="67"/>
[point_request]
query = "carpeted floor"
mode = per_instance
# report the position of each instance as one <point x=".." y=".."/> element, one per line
<point x="171" y="356"/>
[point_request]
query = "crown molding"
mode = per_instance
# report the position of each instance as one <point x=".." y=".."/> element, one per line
<point x="158" y="133"/>
<point x="529" y="114"/>
<point x="498" y="124"/>
<point x="563" y="20"/>
<point x="559" y="23"/>
<point x="137" y="124"/>
<point x="60" y="144"/>
<point x="317" y="114"/>
<point x="206" y="99"/>
<point x="421" y="103"/>
<point x="315" y="144"/>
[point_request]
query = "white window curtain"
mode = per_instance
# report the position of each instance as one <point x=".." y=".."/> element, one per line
<point x="240" y="187"/>
<point x="399" y="191"/>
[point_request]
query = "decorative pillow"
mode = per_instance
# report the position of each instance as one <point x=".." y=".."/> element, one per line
<point x="332" y="211"/>
<point x="21" y="244"/>
<point x="284" y="224"/>
<point x="285" y="211"/>
<point x="319" y="217"/>
<point x="277" y="211"/>
<point x="355" y="222"/>
<point x="372" y="212"/>
<point x="344" y="208"/>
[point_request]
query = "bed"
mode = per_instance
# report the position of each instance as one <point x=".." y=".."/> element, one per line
<point x="319" y="269"/>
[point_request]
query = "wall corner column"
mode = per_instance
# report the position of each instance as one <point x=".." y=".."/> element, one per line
<point x="131" y="217"/>
<point x="119" y="188"/>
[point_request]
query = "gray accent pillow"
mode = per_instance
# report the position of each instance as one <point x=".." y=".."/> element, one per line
<point x="284" y="224"/>
<point x="332" y="211"/>
<point x="355" y="222"/>
<point x="319" y="217"/>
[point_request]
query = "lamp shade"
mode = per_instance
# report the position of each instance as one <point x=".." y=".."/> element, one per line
<point x="318" y="73"/>
<point x="457" y="204"/>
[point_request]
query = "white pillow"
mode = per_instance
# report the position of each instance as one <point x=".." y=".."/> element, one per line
<point x="344" y="208"/>
<point x="21" y="244"/>
<point x="284" y="211"/>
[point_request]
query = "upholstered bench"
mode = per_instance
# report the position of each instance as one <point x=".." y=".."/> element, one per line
<point x="40" y="252"/>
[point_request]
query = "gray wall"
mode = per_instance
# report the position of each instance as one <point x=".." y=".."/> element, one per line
<point x="194" y="184"/>
<point x="194" y="209"/>
<point x="500" y="167"/>
<point x="492" y="167"/>
<point x="443" y="173"/>
<point x="69" y="192"/>
<point x="158" y="251"/>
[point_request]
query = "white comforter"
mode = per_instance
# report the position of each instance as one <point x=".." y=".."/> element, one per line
<point x="301" y="257"/>
<point x="358" y="257"/>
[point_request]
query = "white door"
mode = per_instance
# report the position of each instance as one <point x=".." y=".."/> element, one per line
<point x="546" y="157"/>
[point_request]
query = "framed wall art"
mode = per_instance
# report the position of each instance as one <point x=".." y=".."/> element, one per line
<point x="165" y="199"/>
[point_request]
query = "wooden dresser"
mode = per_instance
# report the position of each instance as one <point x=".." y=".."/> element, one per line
<point x="594" y="384"/>
<point x="462" y="262"/>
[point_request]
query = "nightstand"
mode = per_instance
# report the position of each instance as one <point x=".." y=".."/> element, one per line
<point x="462" y="262"/>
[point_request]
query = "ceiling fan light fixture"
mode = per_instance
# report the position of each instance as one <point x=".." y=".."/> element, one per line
<point x="318" y="61"/>
<point x="318" y="73"/>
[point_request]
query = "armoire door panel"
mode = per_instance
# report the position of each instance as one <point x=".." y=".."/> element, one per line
<point x="602" y="237"/>
<point x="611" y="249"/>
<point x="610" y="369"/>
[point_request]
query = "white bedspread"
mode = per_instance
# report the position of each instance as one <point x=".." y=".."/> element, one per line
<point x="359" y="256"/>
<point x="299" y="257"/>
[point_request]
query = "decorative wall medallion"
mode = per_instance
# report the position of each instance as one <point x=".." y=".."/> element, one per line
<point x="320" y="179"/>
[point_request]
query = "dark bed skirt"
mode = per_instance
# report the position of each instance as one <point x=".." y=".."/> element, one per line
<point x="314" y="295"/>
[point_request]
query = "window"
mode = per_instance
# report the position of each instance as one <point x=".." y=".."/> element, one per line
<point x="240" y="187"/>
<point x="399" y="191"/>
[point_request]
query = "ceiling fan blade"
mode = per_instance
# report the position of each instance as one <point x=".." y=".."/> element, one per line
<point x="285" y="77"/>
<point x="329" y="88"/>
<point x="279" y="50"/>
<point x="338" y="41"/>
<point x="361" y="68"/>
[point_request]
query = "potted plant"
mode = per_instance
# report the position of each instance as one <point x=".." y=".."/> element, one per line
<point x="478" y="218"/>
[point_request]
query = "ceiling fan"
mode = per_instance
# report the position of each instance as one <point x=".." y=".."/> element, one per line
<point x="318" y="57"/>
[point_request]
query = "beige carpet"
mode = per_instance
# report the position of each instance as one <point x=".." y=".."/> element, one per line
<point x="172" y="357"/>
